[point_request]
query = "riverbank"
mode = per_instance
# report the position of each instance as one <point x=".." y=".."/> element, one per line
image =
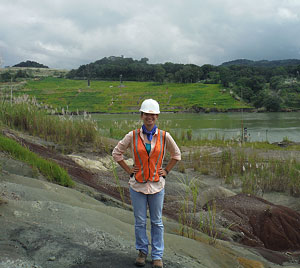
<point x="196" y="111"/>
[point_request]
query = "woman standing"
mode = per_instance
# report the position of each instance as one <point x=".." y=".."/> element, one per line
<point x="147" y="179"/>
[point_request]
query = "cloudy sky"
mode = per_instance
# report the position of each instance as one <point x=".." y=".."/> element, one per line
<point x="69" y="33"/>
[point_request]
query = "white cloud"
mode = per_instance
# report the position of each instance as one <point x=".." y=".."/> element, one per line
<point x="68" y="33"/>
<point x="287" y="14"/>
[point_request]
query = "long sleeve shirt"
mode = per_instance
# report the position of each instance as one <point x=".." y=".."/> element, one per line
<point x="127" y="142"/>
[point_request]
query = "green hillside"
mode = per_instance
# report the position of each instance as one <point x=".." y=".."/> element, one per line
<point x="112" y="97"/>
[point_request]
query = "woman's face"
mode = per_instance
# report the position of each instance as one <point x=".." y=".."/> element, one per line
<point x="149" y="120"/>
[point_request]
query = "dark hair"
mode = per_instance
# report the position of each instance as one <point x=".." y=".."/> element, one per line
<point x="145" y="113"/>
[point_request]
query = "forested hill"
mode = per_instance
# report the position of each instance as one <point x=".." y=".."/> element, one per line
<point x="269" y="85"/>
<point x="115" y="68"/>
<point x="30" y="63"/>
<point x="262" y="63"/>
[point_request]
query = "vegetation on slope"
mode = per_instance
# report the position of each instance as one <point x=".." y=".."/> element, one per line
<point x="50" y="170"/>
<point x="27" y="115"/>
<point x="113" y="97"/>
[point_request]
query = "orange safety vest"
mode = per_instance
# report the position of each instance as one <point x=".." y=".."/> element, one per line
<point x="148" y="165"/>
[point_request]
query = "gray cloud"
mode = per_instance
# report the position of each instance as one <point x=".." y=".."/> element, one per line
<point x="68" y="33"/>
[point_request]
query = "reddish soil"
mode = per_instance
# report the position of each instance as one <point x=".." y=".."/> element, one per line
<point x="262" y="224"/>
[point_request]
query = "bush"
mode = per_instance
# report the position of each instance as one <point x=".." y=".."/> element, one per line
<point x="6" y="77"/>
<point x="272" y="103"/>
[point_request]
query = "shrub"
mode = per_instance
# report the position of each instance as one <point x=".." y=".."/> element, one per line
<point x="189" y="134"/>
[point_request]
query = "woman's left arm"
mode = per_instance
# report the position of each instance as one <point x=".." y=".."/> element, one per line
<point x="171" y="147"/>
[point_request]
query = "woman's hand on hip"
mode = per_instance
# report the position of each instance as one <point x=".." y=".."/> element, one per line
<point x="162" y="172"/>
<point x="134" y="170"/>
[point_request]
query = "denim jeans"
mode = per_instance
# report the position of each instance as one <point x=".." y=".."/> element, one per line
<point x="155" y="203"/>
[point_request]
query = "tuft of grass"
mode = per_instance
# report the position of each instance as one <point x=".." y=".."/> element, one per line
<point x="184" y="221"/>
<point x="189" y="134"/>
<point x="120" y="189"/>
<point x="181" y="167"/>
<point x="211" y="228"/>
<point x="25" y="114"/>
<point x="254" y="174"/>
<point x="258" y="175"/>
<point x="49" y="169"/>
<point x="188" y="210"/>
<point x="201" y="162"/>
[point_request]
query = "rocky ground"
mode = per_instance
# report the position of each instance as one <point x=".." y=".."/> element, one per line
<point x="46" y="225"/>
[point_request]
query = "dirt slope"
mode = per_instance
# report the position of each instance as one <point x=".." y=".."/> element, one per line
<point x="46" y="225"/>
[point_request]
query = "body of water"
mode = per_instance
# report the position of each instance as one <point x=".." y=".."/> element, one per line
<point x="273" y="127"/>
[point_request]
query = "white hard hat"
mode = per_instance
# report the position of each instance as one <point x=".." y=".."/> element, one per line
<point x="150" y="106"/>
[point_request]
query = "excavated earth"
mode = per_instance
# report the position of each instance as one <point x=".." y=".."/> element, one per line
<point x="263" y="224"/>
<point x="263" y="227"/>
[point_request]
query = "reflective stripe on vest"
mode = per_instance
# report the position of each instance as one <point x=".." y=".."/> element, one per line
<point x="148" y="165"/>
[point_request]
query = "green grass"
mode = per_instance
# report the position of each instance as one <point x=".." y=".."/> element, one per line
<point x="106" y="96"/>
<point x="26" y="115"/>
<point x="50" y="170"/>
<point x="254" y="173"/>
<point x="189" y="222"/>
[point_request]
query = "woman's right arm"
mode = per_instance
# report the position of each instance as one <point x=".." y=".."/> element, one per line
<point x="120" y="149"/>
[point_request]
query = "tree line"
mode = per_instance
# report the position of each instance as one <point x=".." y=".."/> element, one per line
<point x="267" y="85"/>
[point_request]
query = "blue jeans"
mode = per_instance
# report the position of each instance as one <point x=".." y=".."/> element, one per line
<point x="155" y="203"/>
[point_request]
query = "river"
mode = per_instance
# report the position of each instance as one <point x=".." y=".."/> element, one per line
<point x="271" y="127"/>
